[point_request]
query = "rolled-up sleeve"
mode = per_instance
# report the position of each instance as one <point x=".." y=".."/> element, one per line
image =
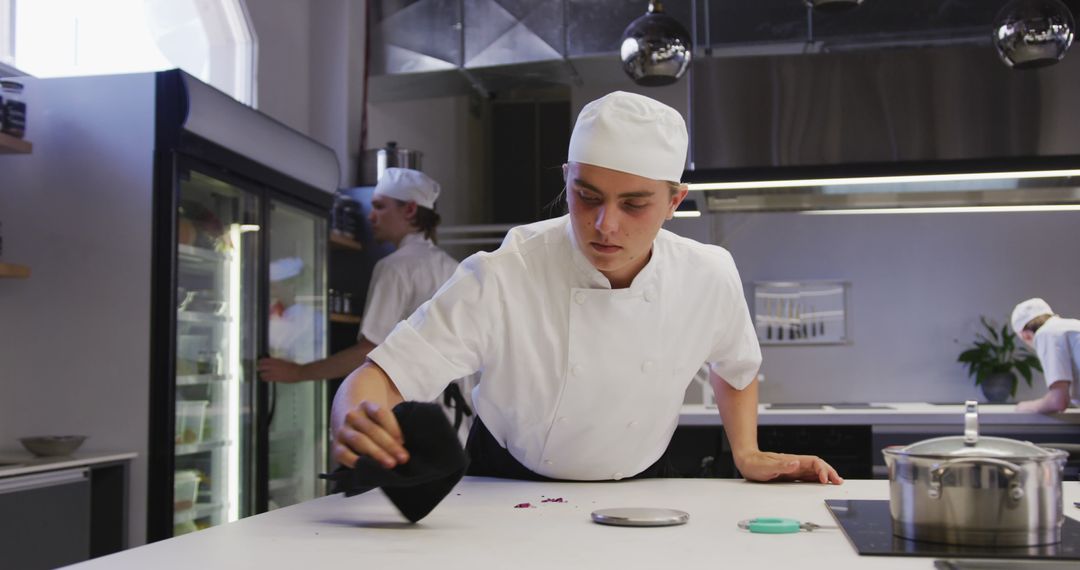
<point x="446" y="338"/>
<point x="736" y="354"/>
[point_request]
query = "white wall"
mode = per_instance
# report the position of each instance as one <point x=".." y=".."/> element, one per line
<point x="452" y="135"/>
<point x="919" y="283"/>
<point x="311" y="70"/>
<point x="74" y="337"/>
<point x="283" y="32"/>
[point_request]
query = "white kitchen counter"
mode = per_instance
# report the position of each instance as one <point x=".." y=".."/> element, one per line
<point x="898" y="414"/>
<point x="14" y="463"/>
<point x="477" y="527"/>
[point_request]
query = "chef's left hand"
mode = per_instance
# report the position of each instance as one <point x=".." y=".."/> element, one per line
<point x="278" y="370"/>
<point x="769" y="466"/>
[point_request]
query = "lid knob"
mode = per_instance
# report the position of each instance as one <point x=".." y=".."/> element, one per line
<point x="971" y="423"/>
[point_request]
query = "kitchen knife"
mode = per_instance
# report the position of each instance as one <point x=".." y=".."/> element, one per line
<point x="802" y="323"/>
<point x="768" y="320"/>
<point x="794" y="330"/>
<point x="779" y="319"/>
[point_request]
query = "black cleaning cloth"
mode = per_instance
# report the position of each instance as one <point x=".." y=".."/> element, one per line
<point x="436" y="463"/>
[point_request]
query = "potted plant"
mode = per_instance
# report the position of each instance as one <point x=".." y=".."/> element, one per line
<point x="994" y="357"/>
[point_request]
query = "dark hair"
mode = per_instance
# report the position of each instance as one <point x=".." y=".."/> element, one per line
<point x="1034" y="324"/>
<point x="425" y="220"/>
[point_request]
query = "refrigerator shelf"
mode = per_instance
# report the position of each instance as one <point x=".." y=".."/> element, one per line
<point x="197" y="379"/>
<point x="284" y="483"/>
<point x="191" y="253"/>
<point x="192" y="448"/>
<point x="199" y="511"/>
<point x="193" y="317"/>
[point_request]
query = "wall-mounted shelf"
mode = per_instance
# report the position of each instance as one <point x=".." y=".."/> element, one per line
<point x="341" y="242"/>
<point x="14" y="145"/>
<point x="14" y="271"/>
<point x="343" y="318"/>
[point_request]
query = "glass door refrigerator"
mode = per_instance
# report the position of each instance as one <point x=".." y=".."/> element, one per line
<point x="240" y="274"/>
<point x="187" y="233"/>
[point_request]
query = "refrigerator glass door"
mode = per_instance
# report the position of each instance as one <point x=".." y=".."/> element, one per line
<point x="297" y="333"/>
<point x="217" y="262"/>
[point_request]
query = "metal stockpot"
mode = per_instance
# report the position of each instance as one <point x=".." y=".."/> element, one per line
<point x="971" y="490"/>
<point x="374" y="162"/>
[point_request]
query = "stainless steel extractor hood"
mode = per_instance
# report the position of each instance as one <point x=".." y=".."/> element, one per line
<point x="779" y="92"/>
<point x="942" y="111"/>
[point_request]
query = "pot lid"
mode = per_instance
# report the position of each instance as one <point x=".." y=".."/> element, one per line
<point x="955" y="446"/>
<point x="973" y="445"/>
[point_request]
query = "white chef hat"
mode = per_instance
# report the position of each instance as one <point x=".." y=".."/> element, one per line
<point x="1027" y="310"/>
<point x="408" y="185"/>
<point x="631" y="133"/>
<point x="286" y="267"/>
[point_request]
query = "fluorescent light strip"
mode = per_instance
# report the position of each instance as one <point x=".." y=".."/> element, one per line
<point x="947" y="210"/>
<point x="232" y="385"/>
<point x="882" y="180"/>
<point x="688" y="214"/>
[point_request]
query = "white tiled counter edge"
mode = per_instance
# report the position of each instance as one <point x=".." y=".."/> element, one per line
<point x="23" y="464"/>
<point x="908" y="414"/>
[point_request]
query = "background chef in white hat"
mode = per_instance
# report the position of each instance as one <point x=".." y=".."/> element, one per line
<point x="586" y="328"/>
<point x="1056" y="342"/>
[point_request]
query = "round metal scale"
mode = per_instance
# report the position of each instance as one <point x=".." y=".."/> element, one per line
<point x="640" y="516"/>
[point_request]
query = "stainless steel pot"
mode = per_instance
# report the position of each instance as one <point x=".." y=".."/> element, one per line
<point x="377" y="160"/>
<point x="971" y="490"/>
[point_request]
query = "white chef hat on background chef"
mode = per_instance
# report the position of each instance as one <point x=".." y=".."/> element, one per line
<point x="631" y="133"/>
<point x="286" y="267"/>
<point x="408" y="185"/>
<point x="1027" y="310"/>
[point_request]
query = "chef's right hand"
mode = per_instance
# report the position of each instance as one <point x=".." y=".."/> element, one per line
<point x="369" y="429"/>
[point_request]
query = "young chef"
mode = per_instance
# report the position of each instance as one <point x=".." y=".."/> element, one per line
<point x="586" y="328"/>
<point x="1057" y="344"/>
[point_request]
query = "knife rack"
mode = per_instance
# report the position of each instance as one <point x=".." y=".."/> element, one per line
<point x="801" y="312"/>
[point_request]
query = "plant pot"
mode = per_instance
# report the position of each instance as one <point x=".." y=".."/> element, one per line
<point x="998" y="387"/>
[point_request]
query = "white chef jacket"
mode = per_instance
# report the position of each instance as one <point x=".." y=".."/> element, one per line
<point x="578" y="381"/>
<point x="296" y="333"/>
<point x="401" y="282"/>
<point x="1057" y="343"/>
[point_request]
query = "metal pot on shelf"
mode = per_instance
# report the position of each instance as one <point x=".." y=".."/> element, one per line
<point x="373" y="162"/>
<point x="972" y="490"/>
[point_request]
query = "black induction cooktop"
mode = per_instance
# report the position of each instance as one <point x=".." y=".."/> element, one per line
<point x="868" y="527"/>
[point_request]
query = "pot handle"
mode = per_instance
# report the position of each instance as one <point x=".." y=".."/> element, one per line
<point x="971" y="423"/>
<point x="1012" y="472"/>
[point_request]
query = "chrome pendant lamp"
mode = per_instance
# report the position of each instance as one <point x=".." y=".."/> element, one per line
<point x="1033" y="33"/>
<point x="655" y="48"/>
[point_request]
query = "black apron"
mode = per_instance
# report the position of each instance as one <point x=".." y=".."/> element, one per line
<point x="489" y="459"/>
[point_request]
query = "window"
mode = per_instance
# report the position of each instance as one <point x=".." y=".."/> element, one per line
<point x="210" y="39"/>
<point x="7" y="36"/>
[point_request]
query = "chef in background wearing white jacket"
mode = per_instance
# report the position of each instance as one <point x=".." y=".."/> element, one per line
<point x="586" y="328"/>
<point x="1056" y="342"/>
<point x="403" y="214"/>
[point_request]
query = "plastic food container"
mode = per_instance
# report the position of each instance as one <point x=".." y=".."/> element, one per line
<point x="190" y="418"/>
<point x="185" y="489"/>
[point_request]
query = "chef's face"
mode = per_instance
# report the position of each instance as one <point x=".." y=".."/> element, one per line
<point x="616" y="216"/>
<point x="1028" y="337"/>
<point x="391" y="219"/>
